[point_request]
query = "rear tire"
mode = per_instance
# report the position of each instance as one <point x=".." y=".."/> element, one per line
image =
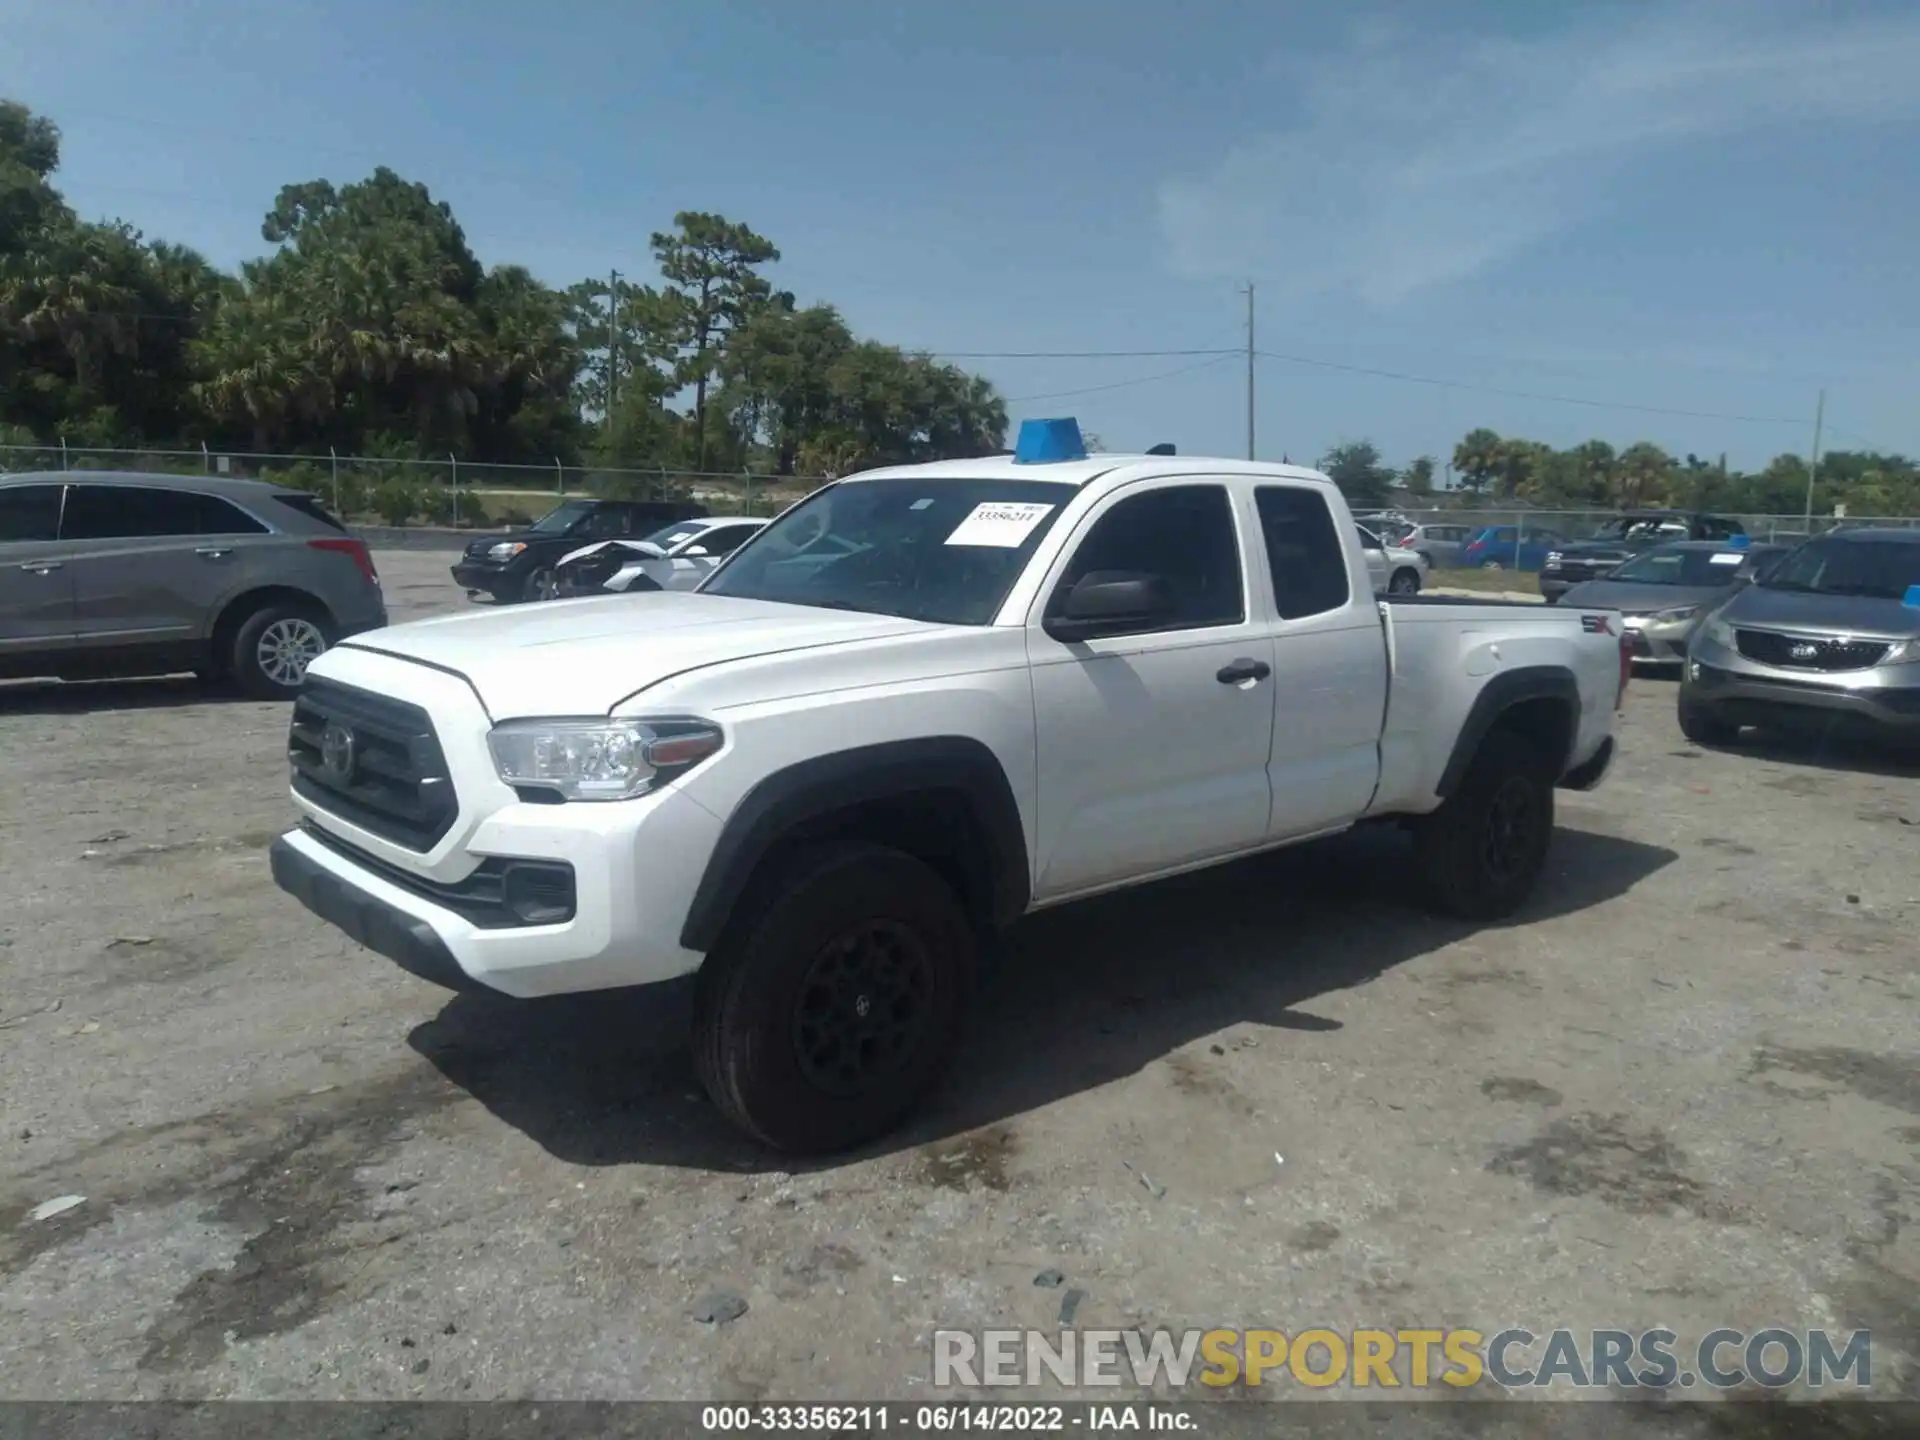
<point x="833" y="1002"/>
<point x="273" y="647"/>
<point x="1701" y="726"/>
<point x="1480" y="854"/>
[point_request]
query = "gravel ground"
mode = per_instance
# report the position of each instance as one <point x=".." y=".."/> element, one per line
<point x="1681" y="1089"/>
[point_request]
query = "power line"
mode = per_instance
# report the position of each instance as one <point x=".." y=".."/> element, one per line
<point x="1063" y="354"/>
<point x="1527" y="394"/>
<point x="1122" y="384"/>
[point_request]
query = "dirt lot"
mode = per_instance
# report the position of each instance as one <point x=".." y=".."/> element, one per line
<point x="1683" y="1089"/>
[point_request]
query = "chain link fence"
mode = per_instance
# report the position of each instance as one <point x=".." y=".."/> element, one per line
<point x="1523" y="536"/>
<point x="435" y="493"/>
<point x="451" y="493"/>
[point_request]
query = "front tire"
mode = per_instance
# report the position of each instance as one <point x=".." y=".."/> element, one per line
<point x="273" y="647"/>
<point x="539" y="584"/>
<point x="1701" y="726"/>
<point x="1480" y="854"/>
<point x="833" y="1004"/>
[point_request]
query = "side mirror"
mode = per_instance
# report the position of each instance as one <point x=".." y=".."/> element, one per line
<point x="1110" y="602"/>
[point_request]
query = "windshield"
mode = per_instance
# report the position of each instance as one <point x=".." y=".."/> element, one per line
<point x="562" y="518"/>
<point x="941" y="550"/>
<point x="1674" y="566"/>
<point x="673" y="534"/>
<point x="1880" y="569"/>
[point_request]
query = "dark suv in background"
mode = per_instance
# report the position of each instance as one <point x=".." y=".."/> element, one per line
<point x="1622" y="538"/>
<point x="104" y="573"/>
<point x="519" y="565"/>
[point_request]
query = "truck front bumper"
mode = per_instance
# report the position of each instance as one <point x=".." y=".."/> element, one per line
<point x="384" y="928"/>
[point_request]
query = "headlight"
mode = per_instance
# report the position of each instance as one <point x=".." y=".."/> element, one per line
<point x="505" y="550"/>
<point x="1553" y="557"/>
<point x="600" y="759"/>
<point x="1719" y="632"/>
<point x="1675" y="615"/>
<point x="1907" y="652"/>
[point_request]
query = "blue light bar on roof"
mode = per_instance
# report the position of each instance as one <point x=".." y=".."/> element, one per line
<point x="1042" y="442"/>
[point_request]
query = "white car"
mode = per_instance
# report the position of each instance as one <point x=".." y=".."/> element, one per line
<point x="678" y="557"/>
<point x="922" y="703"/>
<point x="1393" y="570"/>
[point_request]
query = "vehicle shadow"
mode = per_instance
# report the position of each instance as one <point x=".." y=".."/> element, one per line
<point x="82" y="697"/>
<point x="1085" y="995"/>
<point x="1837" y="748"/>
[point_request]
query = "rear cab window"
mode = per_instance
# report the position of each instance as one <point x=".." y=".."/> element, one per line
<point x="1304" y="554"/>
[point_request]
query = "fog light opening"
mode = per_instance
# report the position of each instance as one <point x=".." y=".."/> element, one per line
<point x="539" y="894"/>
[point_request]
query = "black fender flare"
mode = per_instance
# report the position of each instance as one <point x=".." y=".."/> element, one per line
<point x="787" y="800"/>
<point x="1500" y="694"/>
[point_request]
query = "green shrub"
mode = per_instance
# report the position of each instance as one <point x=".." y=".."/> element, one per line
<point x="513" y="518"/>
<point x="396" y="501"/>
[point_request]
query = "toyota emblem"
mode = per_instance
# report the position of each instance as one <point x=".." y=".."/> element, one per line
<point x="337" y="751"/>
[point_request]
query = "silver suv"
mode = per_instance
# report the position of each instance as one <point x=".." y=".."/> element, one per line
<point x="1829" y="635"/>
<point x="103" y="573"/>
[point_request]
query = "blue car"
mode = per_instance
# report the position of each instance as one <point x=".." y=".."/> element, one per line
<point x="1508" y="547"/>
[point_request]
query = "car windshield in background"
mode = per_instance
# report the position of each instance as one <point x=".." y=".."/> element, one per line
<point x="1880" y="569"/>
<point x="561" y="518"/>
<point x="672" y="535"/>
<point x="946" y="551"/>
<point x="1681" y="567"/>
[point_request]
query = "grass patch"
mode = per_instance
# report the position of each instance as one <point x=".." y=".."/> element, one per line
<point x="1518" y="581"/>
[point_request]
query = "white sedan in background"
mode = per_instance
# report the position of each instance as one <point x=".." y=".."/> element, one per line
<point x="678" y="557"/>
<point x="1394" y="571"/>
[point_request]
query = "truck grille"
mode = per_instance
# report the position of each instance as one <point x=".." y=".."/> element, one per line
<point x="372" y="761"/>
<point x="1808" y="652"/>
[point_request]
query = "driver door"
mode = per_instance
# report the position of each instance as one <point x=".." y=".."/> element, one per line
<point x="1153" y="744"/>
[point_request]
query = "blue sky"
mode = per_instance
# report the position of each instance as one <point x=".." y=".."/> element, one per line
<point x="1690" y="207"/>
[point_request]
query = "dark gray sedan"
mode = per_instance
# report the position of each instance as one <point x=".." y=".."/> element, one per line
<point x="1663" y="594"/>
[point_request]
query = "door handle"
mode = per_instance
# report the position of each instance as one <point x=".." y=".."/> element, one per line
<point x="41" y="567"/>
<point x="213" y="552"/>
<point x="1243" y="670"/>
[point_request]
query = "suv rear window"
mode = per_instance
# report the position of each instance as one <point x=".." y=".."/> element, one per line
<point x="310" y="506"/>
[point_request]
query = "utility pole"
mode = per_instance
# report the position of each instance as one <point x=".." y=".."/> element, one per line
<point x="1813" y="461"/>
<point x="613" y="345"/>
<point x="1249" y="370"/>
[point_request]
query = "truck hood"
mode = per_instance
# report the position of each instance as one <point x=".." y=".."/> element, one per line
<point x="583" y="657"/>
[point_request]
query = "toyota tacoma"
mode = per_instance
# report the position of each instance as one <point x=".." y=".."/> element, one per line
<point x="918" y="705"/>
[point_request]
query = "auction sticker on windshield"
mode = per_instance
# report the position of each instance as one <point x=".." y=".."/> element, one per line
<point x="1733" y="559"/>
<point x="1004" y="524"/>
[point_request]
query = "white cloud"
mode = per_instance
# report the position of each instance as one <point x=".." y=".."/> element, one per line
<point x="1410" y="161"/>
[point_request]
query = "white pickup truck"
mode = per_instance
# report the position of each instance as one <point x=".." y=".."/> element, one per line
<point x="919" y="704"/>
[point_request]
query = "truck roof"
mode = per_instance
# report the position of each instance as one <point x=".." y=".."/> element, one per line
<point x="1077" y="473"/>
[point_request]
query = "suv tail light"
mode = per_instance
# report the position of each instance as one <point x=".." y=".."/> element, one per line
<point x="356" y="548"/>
